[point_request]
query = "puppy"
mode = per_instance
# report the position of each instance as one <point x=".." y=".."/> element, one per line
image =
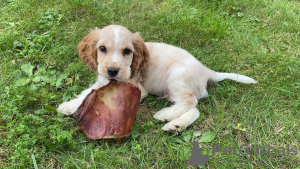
<point x="114" y="53"/>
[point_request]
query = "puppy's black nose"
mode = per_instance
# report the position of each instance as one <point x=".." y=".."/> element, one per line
<point x="112" y="71"/>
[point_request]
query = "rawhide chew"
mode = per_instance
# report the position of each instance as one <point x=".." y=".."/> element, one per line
<point x="109" y="112"/>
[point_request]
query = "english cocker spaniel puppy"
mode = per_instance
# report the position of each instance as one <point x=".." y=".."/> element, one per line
<point x="114" y="53"/>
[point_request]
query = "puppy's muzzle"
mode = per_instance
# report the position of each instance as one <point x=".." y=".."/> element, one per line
<point x="112" y="72"/>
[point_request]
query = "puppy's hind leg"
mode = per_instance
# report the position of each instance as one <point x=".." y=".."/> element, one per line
<point x="182" y="105"/>
<point x="180" y="93"/>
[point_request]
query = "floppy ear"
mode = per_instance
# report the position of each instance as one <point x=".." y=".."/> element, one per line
<point x="141" y="56"/>
<point x="88" y="50"/>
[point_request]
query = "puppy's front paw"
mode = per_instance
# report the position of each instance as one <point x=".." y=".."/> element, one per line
<point x="174" y="126"/>
<point x="162" y="115"/>
<point x="168" y="114"/>
<point x="67" y="108"/>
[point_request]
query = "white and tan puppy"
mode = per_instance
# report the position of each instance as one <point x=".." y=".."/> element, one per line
<point x="114" y="53"/>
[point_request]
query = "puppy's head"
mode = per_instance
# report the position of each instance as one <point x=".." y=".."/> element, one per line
<point x="114" y="52"/>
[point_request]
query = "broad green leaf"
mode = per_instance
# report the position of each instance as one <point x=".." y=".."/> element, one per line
<point x="51" y="70"/>
<point x="51" y="96"/>
<point x="37" y="79"/>
<point x="33" y="87"/>
<point x="50" y="108"/>
<point x="186" y="136"/>
<point x="207" y="137"/>
<point x="27" y="68"/>
<point x="46" y="79"/>
<point x="197" y="133"/>
<point x="22" y="82"/>
<point x="41" y="69"/>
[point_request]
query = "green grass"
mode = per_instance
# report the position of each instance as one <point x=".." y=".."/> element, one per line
<point x="40" y="69"/>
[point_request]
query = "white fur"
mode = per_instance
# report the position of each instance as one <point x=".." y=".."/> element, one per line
<point x="102" y="80"/>
<point x="183" y="121"/>
<point x="235" y="77"/>
<point x="115" y="56"/>
<point x="116" y="31"/>
<point x="179" y="77"/>
<point x="71" y="106"/>
<point x="174" y="74"/>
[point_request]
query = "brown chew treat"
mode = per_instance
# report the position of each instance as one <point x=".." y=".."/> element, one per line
<point x="109" y="112"/>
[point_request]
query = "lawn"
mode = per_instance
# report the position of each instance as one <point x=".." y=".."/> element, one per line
<point x="40" y="69"/>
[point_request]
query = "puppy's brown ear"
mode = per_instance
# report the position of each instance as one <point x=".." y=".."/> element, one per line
<point x="141" y="56"/>
<point x="88" y="50"/>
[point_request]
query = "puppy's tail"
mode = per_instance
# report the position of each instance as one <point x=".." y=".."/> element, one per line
<point x="218" y="76"/>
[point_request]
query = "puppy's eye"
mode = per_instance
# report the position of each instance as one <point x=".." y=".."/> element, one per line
<point x="102" y="49"/>
<point x="126" y="51"/>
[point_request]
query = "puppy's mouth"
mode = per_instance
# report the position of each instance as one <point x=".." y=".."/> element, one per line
<point x="116" y="79"/>
<point x="113" y="80"/>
